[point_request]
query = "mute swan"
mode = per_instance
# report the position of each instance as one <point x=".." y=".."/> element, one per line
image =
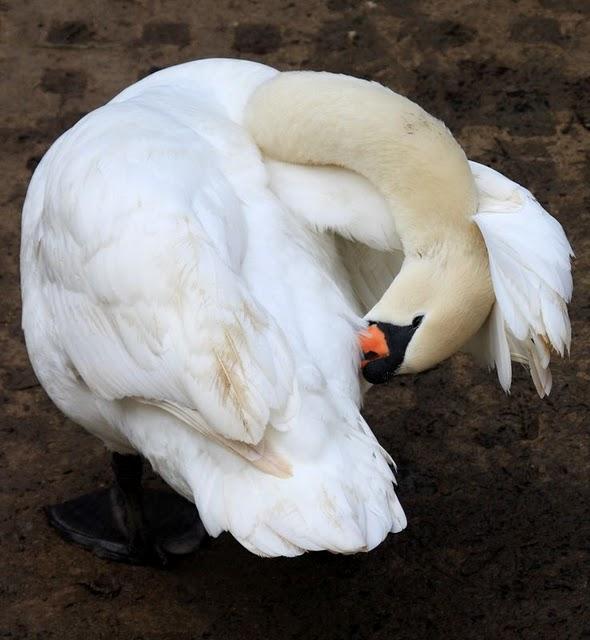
<point x="199" y="257"/>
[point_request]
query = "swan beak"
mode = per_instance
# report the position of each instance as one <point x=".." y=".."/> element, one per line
<point x="384" y="349"/>
<point x="373" y="344"/>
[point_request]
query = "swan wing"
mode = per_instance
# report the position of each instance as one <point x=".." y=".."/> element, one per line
<point x="530" y="268"/>
<point x="336" y="200"/>
<point x="139" y="243"/>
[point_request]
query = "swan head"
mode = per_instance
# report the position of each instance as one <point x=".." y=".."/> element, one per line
<point x="436" y="303"/>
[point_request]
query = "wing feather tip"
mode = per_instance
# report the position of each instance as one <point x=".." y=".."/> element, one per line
<point x="508" y="215"/>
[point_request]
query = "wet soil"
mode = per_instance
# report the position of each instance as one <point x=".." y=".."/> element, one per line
<point x="496" y="488"/>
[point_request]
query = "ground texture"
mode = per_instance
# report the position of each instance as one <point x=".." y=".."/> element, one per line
<point x="496" y="488"/>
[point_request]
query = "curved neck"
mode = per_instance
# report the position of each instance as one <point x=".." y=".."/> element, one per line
<point x="409" y="156"/>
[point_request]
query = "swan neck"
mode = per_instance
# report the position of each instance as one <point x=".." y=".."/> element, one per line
<point x="322" y="118"/>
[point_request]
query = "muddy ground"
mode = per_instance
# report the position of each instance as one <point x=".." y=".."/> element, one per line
<point x="496" y="488"/>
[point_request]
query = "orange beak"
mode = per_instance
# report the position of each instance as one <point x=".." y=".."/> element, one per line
<point x="373" y="344"/>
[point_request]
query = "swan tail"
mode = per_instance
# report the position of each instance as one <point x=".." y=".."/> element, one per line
<point x="339" y="496"/>
<point x="272" y="517"/>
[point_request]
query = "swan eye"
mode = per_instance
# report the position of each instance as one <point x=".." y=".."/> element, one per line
<point x="417" y="321"/>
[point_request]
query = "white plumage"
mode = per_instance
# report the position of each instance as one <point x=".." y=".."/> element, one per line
<point x="185" y="297"/>
<point x="529" y="259"/>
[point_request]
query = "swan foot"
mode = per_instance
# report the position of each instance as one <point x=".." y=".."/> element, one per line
<point x="127" y="523"/>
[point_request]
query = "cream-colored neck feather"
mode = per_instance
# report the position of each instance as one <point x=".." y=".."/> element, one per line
<point x="412" y="158"/>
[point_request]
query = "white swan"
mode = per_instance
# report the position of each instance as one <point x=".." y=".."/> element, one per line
<point x="197" y="259"/>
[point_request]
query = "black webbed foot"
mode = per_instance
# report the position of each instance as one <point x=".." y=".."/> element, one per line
<point x="127" y="523"/>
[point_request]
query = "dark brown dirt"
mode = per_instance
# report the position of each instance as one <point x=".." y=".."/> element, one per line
<point x="496" y="488"/>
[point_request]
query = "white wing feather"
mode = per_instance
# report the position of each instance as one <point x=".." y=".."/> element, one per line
<point x="150" y="302"/>
<point x="529" y="258"/>
<point x="338" y="200"/>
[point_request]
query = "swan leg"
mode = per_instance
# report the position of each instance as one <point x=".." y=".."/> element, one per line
<point x="128" y="523"/>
